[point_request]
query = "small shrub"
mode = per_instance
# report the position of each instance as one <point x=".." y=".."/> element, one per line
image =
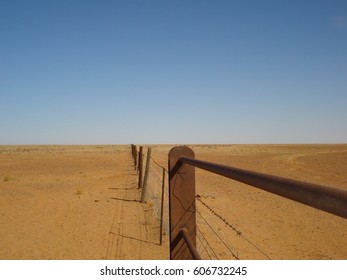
<point x="78" y="192"/>
<point x="8" y="178"/>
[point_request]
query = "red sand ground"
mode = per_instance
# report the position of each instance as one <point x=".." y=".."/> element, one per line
<point x="81" y="202"/>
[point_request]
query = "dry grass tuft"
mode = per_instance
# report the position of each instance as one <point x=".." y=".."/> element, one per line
<point x="78" y="191"/>
<point x="8" y="178"/>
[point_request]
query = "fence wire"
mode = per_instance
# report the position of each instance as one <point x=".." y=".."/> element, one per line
<point x="232" y="227"/>
<point x="205" y="229"/>
<point x="204" y="247"/>
<point x="228" y="247"/>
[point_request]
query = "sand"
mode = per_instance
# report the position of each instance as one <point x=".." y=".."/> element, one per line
<point x="82" y="202"/>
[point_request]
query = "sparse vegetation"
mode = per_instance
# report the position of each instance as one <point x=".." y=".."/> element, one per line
<point x="8" y="178"/>
<point x="78" y="191"/>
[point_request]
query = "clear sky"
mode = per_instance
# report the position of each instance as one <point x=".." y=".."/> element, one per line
<point x="223" y="72"/>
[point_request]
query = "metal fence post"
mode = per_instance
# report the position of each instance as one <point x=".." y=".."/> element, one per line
<point x="134" y="152"/>
<point x="181" y="203"/>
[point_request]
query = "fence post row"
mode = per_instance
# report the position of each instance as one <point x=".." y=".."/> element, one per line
<point x="182" y="217"/>
<point x="144" y="186"/>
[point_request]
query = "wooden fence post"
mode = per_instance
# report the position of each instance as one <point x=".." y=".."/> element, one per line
<point x="148" y="161"/>
<point x="140" y="167"/>
<point x="181" y="203"/>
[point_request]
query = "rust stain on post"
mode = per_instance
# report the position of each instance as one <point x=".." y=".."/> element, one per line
<point x="181" y="202"/>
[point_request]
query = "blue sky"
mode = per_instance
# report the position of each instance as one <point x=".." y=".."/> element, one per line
<point x="217" y="72"/>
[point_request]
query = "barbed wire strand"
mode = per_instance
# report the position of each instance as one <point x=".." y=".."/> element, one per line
<point x="239" y="233"/>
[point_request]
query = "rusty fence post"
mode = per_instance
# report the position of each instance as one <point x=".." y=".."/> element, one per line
<point x="181" y="203"/>
<point x="148" y="162"/>
<point x="134" y="152"/>
<point x="140" y="166"/>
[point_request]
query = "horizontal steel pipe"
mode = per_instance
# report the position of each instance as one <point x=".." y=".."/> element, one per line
<point x="190" y="245"/>
<point x="325" y="198"/>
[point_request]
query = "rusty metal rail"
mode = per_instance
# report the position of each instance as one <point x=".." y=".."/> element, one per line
<point x="331" y="200"/>
<point x="182" y="210"/>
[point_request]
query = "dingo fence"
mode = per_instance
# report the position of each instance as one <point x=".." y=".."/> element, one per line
<point x="182" y="198"/>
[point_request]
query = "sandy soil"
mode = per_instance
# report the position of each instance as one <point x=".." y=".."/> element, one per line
<point x="82" y="202"/>
<point x="73" y="203"/>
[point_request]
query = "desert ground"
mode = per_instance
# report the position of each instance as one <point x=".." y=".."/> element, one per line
<point x="82" y="202"/>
